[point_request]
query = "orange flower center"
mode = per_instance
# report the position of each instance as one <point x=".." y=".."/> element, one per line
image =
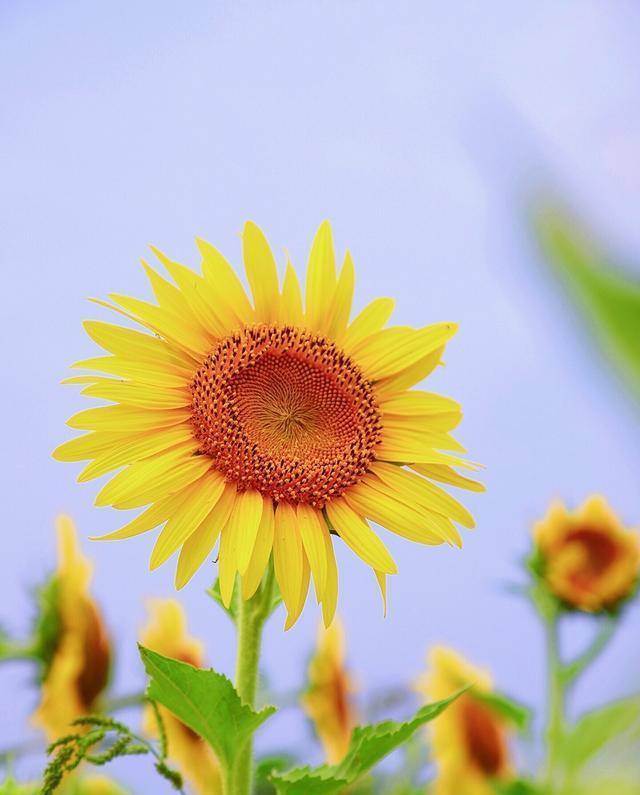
<point x="484" y="738"/>
<point x="599" y="552"/>
<point x="284" y="411"/>
<point x="94" y="674"/>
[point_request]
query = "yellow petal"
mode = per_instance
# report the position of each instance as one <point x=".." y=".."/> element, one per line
<point x="143" y="372"/>
<point x="445" y="474"/>
<point x="372" y="318"/>
<point x="394" y="349"/>
<point x="291" y="302"/>
<point x="410" y="376"/>
<point x="330" y="597"/>
<point x="167" y="295"/>
<point x="143" y="395"/>
<point x="381" y="579"/>
<point x="132" y="344"/>
<point x="199" y="295"/>
<point x="261" y="551"/>
<point x="89" y="445"/>
<point x="156" y="514"/>
<point x="357" y="534"/>
<point x="200" y="543"/>
<point x="147" y="481"/>
<point x="134" y="448"/>
<point x="402" y="446"/>
<point x="200" y="497"/>
<point x="227" y="564"/>
<point x="413" y="489"/>
<point x="340" y="310"/>
<point x="246" y="516"/>
<point x="220" y="275"/>
<point x="303" y="589"/>
<point x="181" y="333"/>
<point x="262" y="273"/>
<point x="417" y="403"/>
<point x="288" y="555"/>
<point x="321" y="278"/>
<point x="385" y="509"/>
<point x="126" y="418"/>
<point x="312" y="529"/>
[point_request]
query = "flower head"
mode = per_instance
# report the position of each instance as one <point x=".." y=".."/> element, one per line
<point x="328" y="700"/>
<point x="470" y="738"/>
<point x="270" y="425"/>
<point x="166" y="633"/>
<point x="587" y="559"/>
<point x="78" y="670"/>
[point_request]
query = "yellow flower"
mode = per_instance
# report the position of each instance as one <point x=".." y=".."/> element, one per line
<point x="166" y="633"/>
<point x="587" y="558"/>
<point x="469" y="739"/>
<point x="269" y="424"/>
<point x="328" y="700"/>
<point x="79" y="668"/>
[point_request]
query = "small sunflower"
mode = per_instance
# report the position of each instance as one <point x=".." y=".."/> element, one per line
<point x="271" y="424"/>
<point x="328" y="700"/>
<point x="470" y="738"/>
<point x="166" y="633"/>
<point x="78" y="670"/>
<point x="587" y="559"/>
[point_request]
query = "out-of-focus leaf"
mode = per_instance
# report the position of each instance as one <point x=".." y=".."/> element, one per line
<point x="608" y="295"/>
<point x="519" y="787"/>
<point x="204" y="700"/>
<point x="512" y="711"/>
<point x="598" y="728"/>
<point x="369" y="744"/>
<point x="11" y="787"/>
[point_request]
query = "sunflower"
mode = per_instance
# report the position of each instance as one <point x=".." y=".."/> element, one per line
<point x="328" y="699"/>
<point x="166" y="633"/>
<point x="271" y="424"/>
<point x="470" y="738"/>
<point x="78" y="670"/>
<point x="587" y="559"/>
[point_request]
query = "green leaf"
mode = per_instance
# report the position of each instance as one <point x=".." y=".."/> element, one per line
<point x="608" y="295"/>
<point x="369" y="744"/>
<point x="512" y="711"/>
<point x="204" y="700"/>
<point x="598" y="728"/>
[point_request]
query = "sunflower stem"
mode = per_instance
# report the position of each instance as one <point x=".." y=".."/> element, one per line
<point x="555" y="699"/>
<point x="251" y="618"/>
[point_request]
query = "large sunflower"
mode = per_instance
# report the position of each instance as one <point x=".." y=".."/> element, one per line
<point x="270" y="424"/>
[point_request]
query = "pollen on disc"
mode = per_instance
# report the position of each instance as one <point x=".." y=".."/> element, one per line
<point x="284" y="411"/>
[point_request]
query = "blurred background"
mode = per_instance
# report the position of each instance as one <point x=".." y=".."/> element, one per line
<point x="424" y="132"/>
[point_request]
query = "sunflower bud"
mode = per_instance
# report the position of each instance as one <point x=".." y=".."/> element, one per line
<point x="587" y="559"/>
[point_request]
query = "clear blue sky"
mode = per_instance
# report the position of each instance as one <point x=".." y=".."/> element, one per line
<point x="418" y="130"/>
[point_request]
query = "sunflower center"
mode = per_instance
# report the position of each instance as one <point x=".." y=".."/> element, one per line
<point x="284" y="411"/>
<point x="483" y="737"/>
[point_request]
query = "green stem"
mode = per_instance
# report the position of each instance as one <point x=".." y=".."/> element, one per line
<point x="555" y="700"/>
<point x="572" y="670"/>
<point x="11" y="650"/>
<point x="252" y="615"/>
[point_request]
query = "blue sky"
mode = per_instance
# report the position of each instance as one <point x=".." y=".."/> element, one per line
<point x="419" y="130"/>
